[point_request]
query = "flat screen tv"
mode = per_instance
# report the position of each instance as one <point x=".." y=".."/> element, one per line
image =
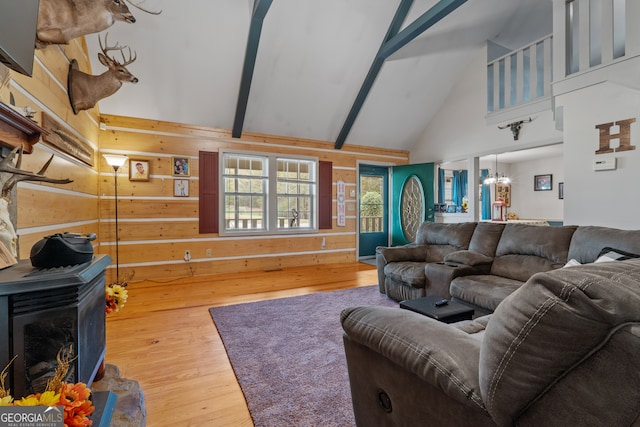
<point x="18" y="22"/>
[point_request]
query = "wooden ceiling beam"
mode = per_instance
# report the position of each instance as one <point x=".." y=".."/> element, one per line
<point x="419" y="26"/>
<point x="374" y="70"/>
<point x="260" y="9"/>
<point x="393" y="41"/>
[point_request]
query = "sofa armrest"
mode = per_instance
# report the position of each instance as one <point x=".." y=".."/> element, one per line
<point x="410" y="252"/>
<point x="437" y="353"/>
<point x="438" y="275"/>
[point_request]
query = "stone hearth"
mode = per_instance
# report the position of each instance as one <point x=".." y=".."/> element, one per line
<point x="130" y="408"/>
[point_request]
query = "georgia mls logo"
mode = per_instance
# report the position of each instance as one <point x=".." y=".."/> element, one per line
<point x="31" y="416"/>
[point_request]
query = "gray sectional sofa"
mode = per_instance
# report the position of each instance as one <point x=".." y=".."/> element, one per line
<point x="480" y="264"/>
<point x="561" y="350"/>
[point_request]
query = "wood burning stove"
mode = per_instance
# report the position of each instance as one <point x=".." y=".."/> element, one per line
<point x="44" y="310"/>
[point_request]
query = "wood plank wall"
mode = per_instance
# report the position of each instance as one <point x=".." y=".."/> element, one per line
<point x="157" y="228"/>
<point x="44" y="209"/>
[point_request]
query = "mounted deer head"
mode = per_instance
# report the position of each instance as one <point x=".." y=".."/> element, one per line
<point x="86" y="90"/>
<point x="60" y="21"/>
<point x="8" y="235"/>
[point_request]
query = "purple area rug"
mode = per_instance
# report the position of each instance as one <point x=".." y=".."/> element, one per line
<point x="289" y="358"/>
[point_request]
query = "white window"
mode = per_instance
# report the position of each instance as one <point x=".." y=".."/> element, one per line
<point x="268" y="193"/>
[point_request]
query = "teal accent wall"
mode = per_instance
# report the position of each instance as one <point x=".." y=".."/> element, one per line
<point x="424" y="172"/>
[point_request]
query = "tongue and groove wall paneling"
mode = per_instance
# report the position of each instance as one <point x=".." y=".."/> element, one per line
<point x="157" y="228"/>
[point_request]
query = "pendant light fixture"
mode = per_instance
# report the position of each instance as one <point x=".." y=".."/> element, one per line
<point x="496" y="179"/>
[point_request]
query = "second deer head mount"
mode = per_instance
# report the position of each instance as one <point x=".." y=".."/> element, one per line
<point x="86" y="90"/>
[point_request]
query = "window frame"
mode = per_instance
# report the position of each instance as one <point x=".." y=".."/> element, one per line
<point x="271" y="198"/>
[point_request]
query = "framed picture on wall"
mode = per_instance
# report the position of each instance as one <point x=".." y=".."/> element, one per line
<point x="181" y="166"/>
<point x="181" y="187"/>
<point x="503" y="192"/>
<point x="542" y="182"/>
<point x="138" y="170"/>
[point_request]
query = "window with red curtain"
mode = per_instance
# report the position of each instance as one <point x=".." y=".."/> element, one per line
<point x="208" y="197"/>
<point x="209" y="184"/>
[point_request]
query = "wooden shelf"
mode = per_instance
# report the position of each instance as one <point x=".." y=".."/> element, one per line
<point x="17" y="130"/>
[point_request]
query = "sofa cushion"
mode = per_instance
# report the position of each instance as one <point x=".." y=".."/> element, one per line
<point x="486" y="237"/>
<point x="408" y="272"/>
<point x="588" y="241"/>
<point x="567" y="337"/>
<point x="521" y="267"/>
<point x="485" y="291"/>
<point x="442" y="239"/>
<point x="524" y="250"/>
<point x="545" y="242"/>
<point x="468" y="258"/>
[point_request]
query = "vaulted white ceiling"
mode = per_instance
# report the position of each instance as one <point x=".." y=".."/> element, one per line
<point x="312" y="60"/>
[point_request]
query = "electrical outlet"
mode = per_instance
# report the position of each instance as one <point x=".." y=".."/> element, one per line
<point x="187" y="255"/>
<point x="208" y="252"/>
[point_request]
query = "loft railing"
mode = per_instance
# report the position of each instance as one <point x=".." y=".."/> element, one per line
<point x="588" y="35"/>
<point x="596" y="33"/>
<point x="520" y="77"/>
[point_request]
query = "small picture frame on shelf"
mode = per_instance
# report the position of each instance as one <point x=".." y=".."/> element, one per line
<point x="181" y="188"/>
<point x="181" y="166"/>
<point x="543" y="182"/>
<point x="138" y="170"/>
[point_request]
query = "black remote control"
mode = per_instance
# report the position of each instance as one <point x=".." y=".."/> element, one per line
<point x="441" y="302"/>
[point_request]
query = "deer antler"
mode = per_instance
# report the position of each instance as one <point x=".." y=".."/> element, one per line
<point x="137" y="6"/>
<point x="23" y="175"/>
<point x="116" y="47"/>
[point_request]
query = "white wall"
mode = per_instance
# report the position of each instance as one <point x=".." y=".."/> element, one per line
<point x="460" y="130"/>
<point x="530" y="204"/>
<point x="525" y="201"/>
<point x="591" y="198"/>
<point x="608" y="198"/>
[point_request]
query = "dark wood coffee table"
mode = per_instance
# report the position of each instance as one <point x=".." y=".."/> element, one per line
<point x="449" y="313"/>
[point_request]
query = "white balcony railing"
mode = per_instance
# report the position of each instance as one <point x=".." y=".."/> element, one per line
<point x="595" y="34"/>
<point x="595" y="41"/>
<point x="520" y="77"/>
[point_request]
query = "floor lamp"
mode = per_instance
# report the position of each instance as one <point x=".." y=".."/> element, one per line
<point x="116" y="161"/>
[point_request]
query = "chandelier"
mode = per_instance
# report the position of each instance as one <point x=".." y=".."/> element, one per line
<point x="496" y="179"/>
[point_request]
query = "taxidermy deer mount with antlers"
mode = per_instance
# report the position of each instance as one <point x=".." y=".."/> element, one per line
<point x="11" y="175"/>
<point x="86" y="90"/>
<point x="515" y="127"/>
<point x="60" y="21"/>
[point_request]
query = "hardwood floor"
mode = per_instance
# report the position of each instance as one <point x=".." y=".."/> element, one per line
<point x="165" y="339"/>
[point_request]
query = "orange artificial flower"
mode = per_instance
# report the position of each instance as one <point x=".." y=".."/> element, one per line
<point x="77" y="406"/>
